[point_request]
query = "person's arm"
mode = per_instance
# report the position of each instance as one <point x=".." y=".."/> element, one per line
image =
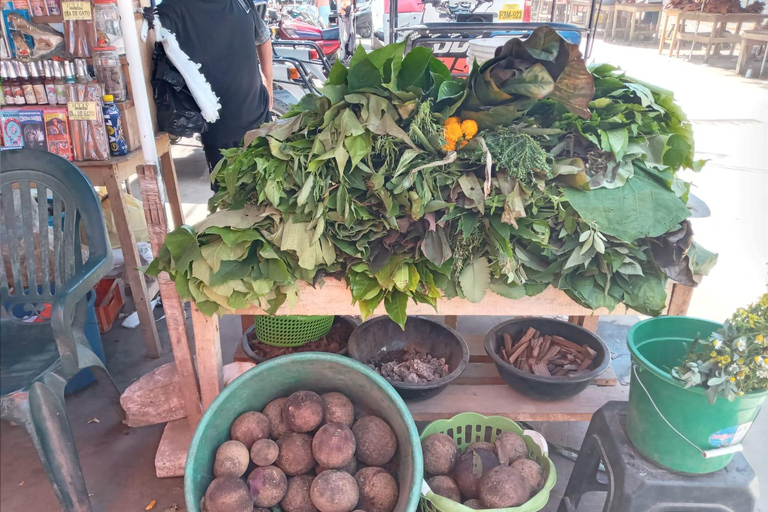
<point x="264" y="51"/>
<point x="265" y="58"/>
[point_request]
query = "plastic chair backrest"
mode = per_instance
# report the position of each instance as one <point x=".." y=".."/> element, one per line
<point x="46" y="206"/>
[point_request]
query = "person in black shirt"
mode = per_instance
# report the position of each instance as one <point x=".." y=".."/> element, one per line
<point x="229" y="40"/>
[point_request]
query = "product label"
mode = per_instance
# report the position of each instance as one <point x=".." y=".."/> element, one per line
<point x="82" y="110"/>
<point x="730" y="435"/>
<point x="76" y="10"/>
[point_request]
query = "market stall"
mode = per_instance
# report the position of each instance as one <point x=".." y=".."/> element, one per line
<point x="52" y="102"/>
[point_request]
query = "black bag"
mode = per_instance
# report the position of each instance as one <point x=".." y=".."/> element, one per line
<point x="177" y="110"/>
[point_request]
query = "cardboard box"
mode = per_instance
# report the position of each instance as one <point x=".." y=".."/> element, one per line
<point x="57" y="132"/>
<point x="130" y="124"/>
<point x="33" y="129"/>
<point x="11" y="128"/>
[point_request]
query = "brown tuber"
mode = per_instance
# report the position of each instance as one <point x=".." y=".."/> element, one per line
<point x="274" y="412"/>
<point x="268" y="486"/>
<point x="475" y="504"/>
<point x="338" y="409"/>
<point x="504" y="487"/>
<point x="378" y="490"/>
<point x="334" y="446"/>
<point x="376" y="442"/>
<point x="350" y="468"/>
<point x="264" y="452"/>
<point x="440" y="454"/>
<point x="231" y="459"/>
<point x="297" y="498"/>
<point x="295" y="457"/>
<point x="228" y="494"/>
<point x="445" y="486"/>
<point x="510" y="447"/>
<point x="482" y="444"/>
<point x="303" y="411"/>
<point x="531" y="471"/>
<point x="334" y="491"/>
<point x="470" y="468"/>
<point x="249" y="427"/>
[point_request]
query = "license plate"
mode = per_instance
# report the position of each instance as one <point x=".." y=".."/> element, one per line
<point x="511" y="12"/>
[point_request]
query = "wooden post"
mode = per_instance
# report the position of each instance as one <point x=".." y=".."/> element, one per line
<point x="615" y="19"/>
<point x="154" y="211"/>
<point x="131" y="256"/>
<point x="632" y="24"/>
<point x="679" y="300"/>
<point x="675" y="43"/>
<point x="663" y="26"/>
<point x="587" y="322"/>
<point x="208" y="350"/>
<point x="172" y="187"/>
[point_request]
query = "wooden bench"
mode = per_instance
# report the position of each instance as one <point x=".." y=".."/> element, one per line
<point x="749" y="39"/>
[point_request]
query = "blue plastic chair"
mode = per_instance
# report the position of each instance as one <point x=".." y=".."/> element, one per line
<point x="43" y="266"/>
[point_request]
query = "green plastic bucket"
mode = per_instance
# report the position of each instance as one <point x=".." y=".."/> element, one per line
<point x="468" y="428"/>
<point x="318" y="372"/>
<point x="659" y="405"/>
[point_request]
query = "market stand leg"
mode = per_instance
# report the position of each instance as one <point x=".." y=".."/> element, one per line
<point x="208" y="351"/>
<point x="132" y="263"/>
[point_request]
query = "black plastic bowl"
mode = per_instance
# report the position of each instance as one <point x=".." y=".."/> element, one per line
<point x="371" y="340"/>
<point x="542" y="387"/>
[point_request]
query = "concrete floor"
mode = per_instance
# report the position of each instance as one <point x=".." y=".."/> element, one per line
<point x="730" y="115"/>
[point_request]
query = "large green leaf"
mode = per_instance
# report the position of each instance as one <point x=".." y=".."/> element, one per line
<point x="396" y="304"/>
<point x="475" y="279"/>
<point x="641" y="208"/>
<point x="182" y="244"/>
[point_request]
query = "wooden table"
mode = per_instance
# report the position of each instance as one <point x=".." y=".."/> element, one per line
<point x="609" y="11"/>
<point x="633" y="10"/>
<point x="749" y="39"/>
<point x="112" y="174"/>
<point x="334" y="299"/>
<point x="717" y="35"/>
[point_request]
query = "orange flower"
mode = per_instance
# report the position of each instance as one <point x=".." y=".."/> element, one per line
<point x="450" y="146"/>
<point x="452" y="120"/>
<point x="453" y="132"/>
<point x="469" y="128"/>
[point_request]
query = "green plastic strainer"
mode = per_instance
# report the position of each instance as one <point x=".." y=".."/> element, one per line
<point x="291" y="331"/>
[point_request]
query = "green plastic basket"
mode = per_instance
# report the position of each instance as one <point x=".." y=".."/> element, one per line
<point x="291" y="331"/>
<point x="469" y="427"/>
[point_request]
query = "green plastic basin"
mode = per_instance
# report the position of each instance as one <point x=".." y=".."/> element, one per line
<point x="314" y="371"/>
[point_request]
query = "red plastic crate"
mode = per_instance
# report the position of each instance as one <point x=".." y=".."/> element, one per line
<point x="109" y="302"/>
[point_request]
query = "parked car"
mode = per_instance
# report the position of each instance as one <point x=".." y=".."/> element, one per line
<point x="364" y="19"/>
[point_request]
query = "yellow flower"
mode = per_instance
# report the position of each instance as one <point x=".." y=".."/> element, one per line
<point x="740" y="393"/>
<point x="741" y="360"/>
<point x="453" y="132"/>
<point x="759" y="338"/>
<point x="469" y="127"/>
<point x="757" y="359"/>
<point x="733" y="379"/>
<point x="726" y="359"/>
<point x="713" y="354"/>
<point x="740" y="375"/>
<point x="450" y="146"/>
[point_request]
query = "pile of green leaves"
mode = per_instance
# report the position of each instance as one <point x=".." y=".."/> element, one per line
<point x="355" y="184"/>
<point x="733" y="360"/>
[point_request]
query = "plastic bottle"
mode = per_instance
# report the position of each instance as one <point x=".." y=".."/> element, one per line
<point x="58" y="83"/>
<point x="48" y="82"/>
<point x="37" y="84"/>
<point x="82" y="76"/>
<point x="107" y="21"/>
<point x="26" y="85"/>
<point x="8" y="97"/>
<point x="15" y="83"/>
<point x="69" y="72"/>
<point x="114" y="124"/>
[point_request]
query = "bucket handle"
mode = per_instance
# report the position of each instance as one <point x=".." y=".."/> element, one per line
<point x="707" y="454"/>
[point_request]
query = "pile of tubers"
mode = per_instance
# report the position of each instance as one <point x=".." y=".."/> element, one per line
<point x="302" y="453"/>
<point x="485" y="475"/>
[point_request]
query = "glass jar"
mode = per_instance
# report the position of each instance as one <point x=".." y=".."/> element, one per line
<point x="107" y="20"/>
<point x="109" y="72"/>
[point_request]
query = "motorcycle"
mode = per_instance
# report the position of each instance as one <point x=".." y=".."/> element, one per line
<point x="364" y="20"/>
<point x="327" y="39"/>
